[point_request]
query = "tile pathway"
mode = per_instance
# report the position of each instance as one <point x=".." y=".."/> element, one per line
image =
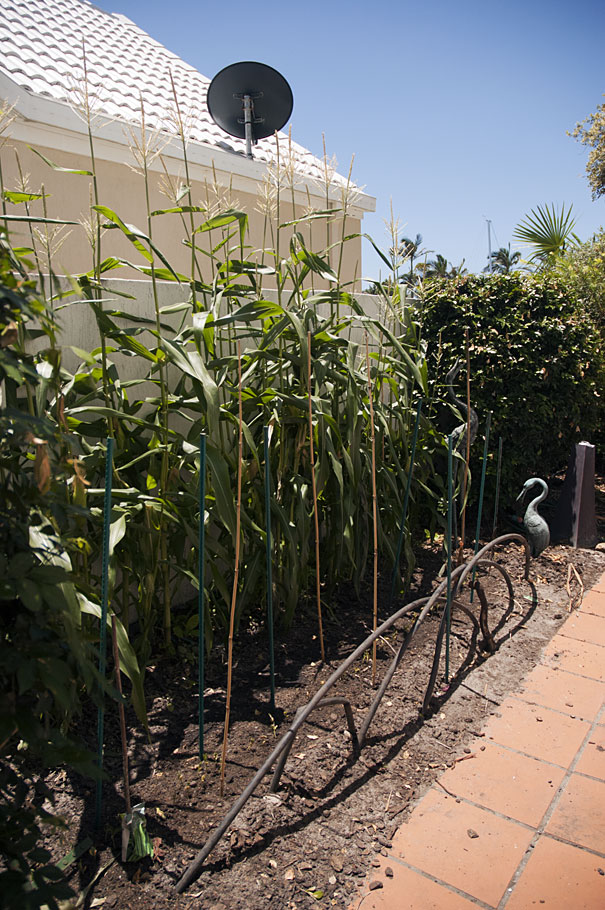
<point x="521" y="824"/>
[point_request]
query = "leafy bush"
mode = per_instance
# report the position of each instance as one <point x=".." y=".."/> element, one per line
<point x="582" y="269"/>
<point x="537" y="362"/>
<point x="46" y="656"/>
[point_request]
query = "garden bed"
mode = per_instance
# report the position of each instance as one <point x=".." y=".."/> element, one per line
<point x="311" y="843"/>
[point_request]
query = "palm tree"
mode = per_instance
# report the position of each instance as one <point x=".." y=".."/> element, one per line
<point x="457" y="271"/>
<point x="503" y="261"/>
<point x="439" y="268"/>
<point x="410" y="249"/>
<point x="549" y="233"/>
<point x="435" y="268"/>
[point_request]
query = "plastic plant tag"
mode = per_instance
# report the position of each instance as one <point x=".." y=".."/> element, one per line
<point x="135" y="840"/>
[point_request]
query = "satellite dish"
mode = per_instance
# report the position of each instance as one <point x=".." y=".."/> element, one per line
<point x="250" y="100"/>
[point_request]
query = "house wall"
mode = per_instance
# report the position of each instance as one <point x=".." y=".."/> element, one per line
<point x="123" y="191"/>
<point x="78" y="328"/>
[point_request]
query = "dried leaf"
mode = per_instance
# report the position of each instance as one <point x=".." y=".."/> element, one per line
<point x="42" y="468"/>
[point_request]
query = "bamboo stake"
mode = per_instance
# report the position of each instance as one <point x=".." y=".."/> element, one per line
<point x="315" y="512"/>
<point x="374" y="508"/>
<point x="236" y="572"/>
<point x="467" y="457"/>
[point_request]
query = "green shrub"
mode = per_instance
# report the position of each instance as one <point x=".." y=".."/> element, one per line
<point x="583" y="271"/>
<point x="537" y="362"/>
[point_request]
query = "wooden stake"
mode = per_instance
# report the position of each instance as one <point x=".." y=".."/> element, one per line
<point x="236" y="572"/>
<point x="374" y="507"/>
<point x="467" y="456"/>
<point x="315" y="511"/>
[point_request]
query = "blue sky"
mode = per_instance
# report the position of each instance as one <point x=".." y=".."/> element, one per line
<point x="457" y="111"/>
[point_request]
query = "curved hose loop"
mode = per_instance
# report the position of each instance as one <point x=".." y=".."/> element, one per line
<point x="462" y="572"/>
<point x="285" y="742"/>
<point x="388" y="676"/>
<point x="505" y="538"/>
<point x="324" y="703"/>
<point x="492" y="564"/>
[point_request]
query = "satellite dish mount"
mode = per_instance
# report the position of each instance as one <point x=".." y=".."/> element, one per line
<point x="249" y="119"/>
<point x="250" y="100"/>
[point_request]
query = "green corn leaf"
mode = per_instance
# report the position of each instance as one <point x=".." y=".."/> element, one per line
<point x="326" y="213"/>
<point x="386" y="261"/>
<point x="229" y="217"/>
<point x="257" y="309"/>
<point x="117" y="530"/>
<point x="221" y="484"/>
<point x="136" y="237"/>
<point x="179" y="210"/>
<point x="56" y="167"/>
<point x="33" y="219"/>
<point x="128" y="659"/>
<point x="16" y="198"/>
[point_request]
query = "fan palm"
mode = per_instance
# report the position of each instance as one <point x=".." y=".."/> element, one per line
<point x="548" y="232"/>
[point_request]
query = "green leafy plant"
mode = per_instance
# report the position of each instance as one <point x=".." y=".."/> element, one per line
<point x="537" y="362"/>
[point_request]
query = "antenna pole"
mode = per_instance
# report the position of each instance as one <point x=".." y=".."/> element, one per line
<point x="248" y="124"/>
<point x="490" y="264"/>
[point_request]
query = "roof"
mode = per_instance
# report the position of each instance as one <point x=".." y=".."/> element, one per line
<point x="41" y="52"/>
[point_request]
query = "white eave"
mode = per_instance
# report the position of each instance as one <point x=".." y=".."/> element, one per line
<point x="52" y="124"/>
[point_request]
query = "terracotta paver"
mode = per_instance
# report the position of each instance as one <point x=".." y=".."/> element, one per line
<point x="599" y="587"/>
<point x="559" y="877"/>
<point x="585" y="626"/>
<point x="436" y="839"/>
<point x="519" y="787"/>
<point x="579" y="657"/>
<point x="580" y="813"/>
<point x="528" y="807"/>
<point x="592" y="760"/>
<point x="593" y="602"/>
<point x="537" y="731"/>
<point x="563" y="691"/>
<point x="409" y="890"/>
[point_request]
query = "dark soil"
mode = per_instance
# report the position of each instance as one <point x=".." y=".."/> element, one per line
<point x="312" y="843"/>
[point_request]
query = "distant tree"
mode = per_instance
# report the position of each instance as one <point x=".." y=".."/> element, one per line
<point x="436" y="268"/>
<point x="410" y="249"/>
<point x="548" y="232"/>
<point x="503" y="261"/>
<point x="439" y="267"/>
<point x="591" y="132"/>
<point x="457" y="271"/>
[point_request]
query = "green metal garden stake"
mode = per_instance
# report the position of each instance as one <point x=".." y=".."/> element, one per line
<point x="103" y="631"/>
<point x="481" y="490"/>
<point x="200" y="595"/>
<point x="448" y="603"/>
<point x="497" y="497"/>
<point x="404" y="513"/>
<point x="269" y="561"/>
